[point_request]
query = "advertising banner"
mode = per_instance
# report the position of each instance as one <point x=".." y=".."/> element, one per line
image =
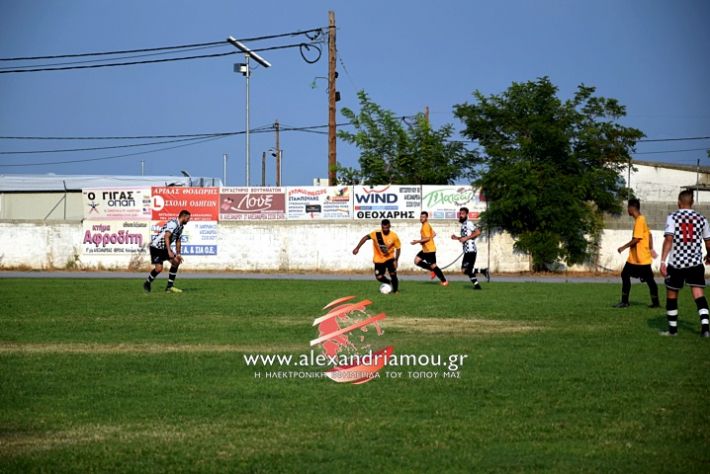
<point x="319" y="202"/>
<point x="167" y="202"/>
<point x="131" y="204"/>
<point x="244" y="204"/>
<point x="115" y="237"/>
<point x="444" y="202"/>
<point x="387" y="202"/>
<point x="198" y="237"/>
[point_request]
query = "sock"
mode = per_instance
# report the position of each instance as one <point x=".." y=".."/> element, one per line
<point x="473" y="279"/>
<point x="672" y="315"/>
<point x="702" y="305"/>
<point x="625" y="298"/>
<point x="172" y="275"/>
<point x="395" y="282"/>
<point x="423" y="264"/>
<point x="439" y="273"/>
<point x="152" y="276"/>
<point x="384" y="279"/>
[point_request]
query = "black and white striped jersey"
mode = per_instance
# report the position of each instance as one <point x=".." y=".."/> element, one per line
<point x="689" y="229"/>
<point x="468" y="228"/>
<point x="174" y="227"/>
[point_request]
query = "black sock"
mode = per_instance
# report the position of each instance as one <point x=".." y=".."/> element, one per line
<point x="384" y="279"/>
<point x="672" y="315"/>
<point x="702" y="305"/>
<point x="625" y="298"/>
<point x="473" y="279"/>
<point x="172" y="275"/>
<point x="423" y="264"/>
<point x="395" y="282"/>
<point x="439" y="273"/>
<point x="152" y="276"/>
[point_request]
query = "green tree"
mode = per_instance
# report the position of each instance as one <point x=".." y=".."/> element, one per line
<point x="551" y="167"/>
<point x="394" y="151"/>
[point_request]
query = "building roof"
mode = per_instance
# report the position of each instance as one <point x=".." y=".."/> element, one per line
<point x="56" y="182"/>
<point x="673" y="166"/>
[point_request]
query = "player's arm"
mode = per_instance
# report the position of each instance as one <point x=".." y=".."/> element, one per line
<point x="361" y="243"/>
<point x="397" y="253"/>
<point x="667" y="245"/>
<point x="471" y="236"/>
<point x="178" y="248"/>
<point x="654" y="254"/>
<point x="631" y="243"/>
<point x="166" y="237"/>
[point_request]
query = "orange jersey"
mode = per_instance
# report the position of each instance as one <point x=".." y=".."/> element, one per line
<point x="428" y="232"/>
<point x="640" y="254"/>
<point x="383" y="248"/>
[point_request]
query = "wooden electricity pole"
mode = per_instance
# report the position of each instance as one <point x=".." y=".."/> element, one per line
<point x="277" y="127"/>
<point x="331" y="100"/>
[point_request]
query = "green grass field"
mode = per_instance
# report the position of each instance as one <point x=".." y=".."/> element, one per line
<point x="97" y="376"/>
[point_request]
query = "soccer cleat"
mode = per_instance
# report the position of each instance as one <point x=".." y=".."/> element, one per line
<point x="146" y="287"/>
<point x="172" y="289"/>
<point x="444" y="283"/>
<point x="705" y="334"/>
<point x="621" y="304"/>
<point x="666" y="333"/>
<point x="432" y="275"/>
<point x="654" y="305"/>
<point x="477" y="287"/>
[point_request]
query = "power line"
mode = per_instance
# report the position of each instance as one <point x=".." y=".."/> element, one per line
<point x="165" y="48"/>
<point x="151" y="61"/>
<point x="114" y="156"/>
<point x="65" y="150"/>
<point x="104" y="60"/>
<point x="669" y="151"/>
<point x="673" y="139"/>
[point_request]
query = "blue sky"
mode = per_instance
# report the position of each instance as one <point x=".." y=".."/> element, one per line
<point x="652" y="55"/>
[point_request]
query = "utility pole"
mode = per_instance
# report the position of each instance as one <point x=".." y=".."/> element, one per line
<point x="426" y="114"/>
<point x="331" y="99"/>
<point x="142" y="167"/>
<point x="277" y="127"/>
<point x="263" y="169"/>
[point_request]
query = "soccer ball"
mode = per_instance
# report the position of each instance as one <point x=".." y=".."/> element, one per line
<point x="385" y="288"/>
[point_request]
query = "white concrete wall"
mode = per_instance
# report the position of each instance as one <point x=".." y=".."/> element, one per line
<point x="655" y="183"/>
<point x="280" y="247"/>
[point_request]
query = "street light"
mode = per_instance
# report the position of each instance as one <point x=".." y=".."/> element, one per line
<point x="245" y="70"/>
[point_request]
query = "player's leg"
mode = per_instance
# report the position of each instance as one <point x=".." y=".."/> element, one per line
<point x="674" y="283"/>
<point x="696" y="281"/>
<point x="172" y="274"/>
<point x="469" y="263"/>
<point x="156" y="258"/>
<point x="652" y="286"/>
<point x="625" y="286"/>
<point x="393" y="275"/>
<point x="421" y="261"/>
<point x="380" y="269"/>
<point x="434" y="268"/>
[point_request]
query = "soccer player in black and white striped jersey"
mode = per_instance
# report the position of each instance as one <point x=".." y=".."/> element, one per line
<point x="683" y="242"/>
<point x="160" y="251"/>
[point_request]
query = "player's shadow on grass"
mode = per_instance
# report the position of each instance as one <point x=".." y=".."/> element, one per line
<point x="660" y="323"/>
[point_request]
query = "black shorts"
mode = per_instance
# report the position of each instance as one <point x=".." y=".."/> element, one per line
<point x="380" y="268"/>
<point x="469" y="262"/>
<point x="427" y="257"/>
<point x="644" y="272"/>
<point x="158" y="256"/>
<point x="693" y="276"/>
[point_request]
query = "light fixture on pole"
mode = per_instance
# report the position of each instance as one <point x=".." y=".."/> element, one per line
<point x="245" y="70"/>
